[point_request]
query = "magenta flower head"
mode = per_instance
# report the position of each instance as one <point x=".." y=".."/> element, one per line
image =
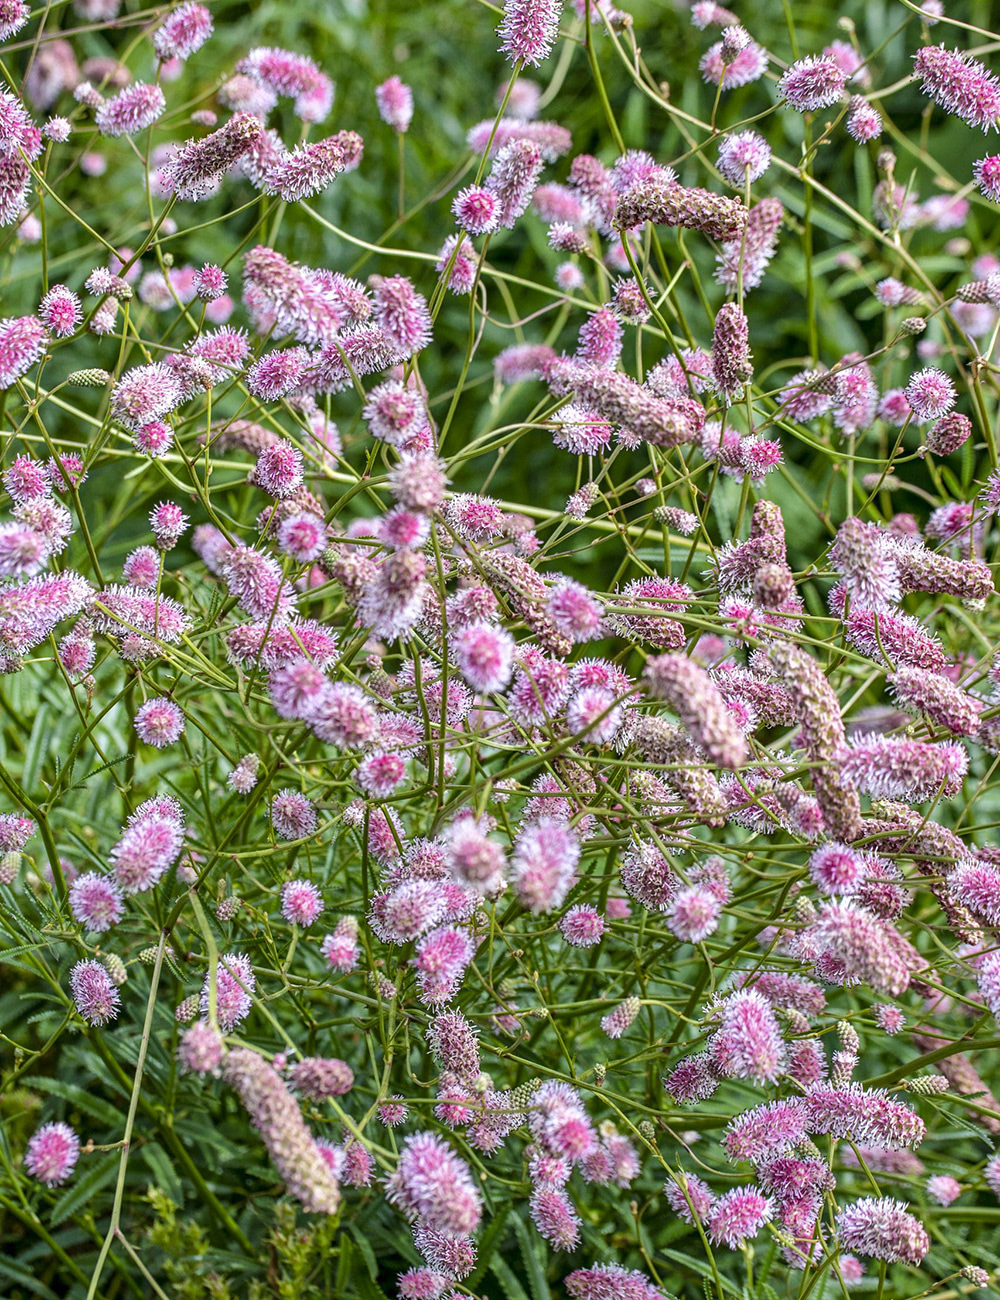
<point x="475" y="210"/>
<point x="881" y="1228"/>
<point x="738" y="1216"/>
<point x="582" y="926"/>
<point x="196" y="169"/>
<point x="544" y="861"/>
<point x="159" y="722"/>
<point x="743" y="157"/>
<point x="310" y="168"/>
<point x="96" y="901"/>
<point x="864" y="121"/>
<point x="529" y="29"/>
<point x="130" y="111"/>
<point x="512" y="179"/>
<point x="94" y="992"/>
<point x="618" y="1020"/>
<point x="168" y="522"/>
<point x="277" y="373"/>
<point x="732" y="366"/>
<point x="812" y="83"/>
<point x="13" y="15"/>
<point x="748" y="1043"/>
<point x="183" y="31"/>
<point x="765" y="1132"/>
<point x="60" y="311"/>
<point x="319" y="1078"/>
<point x="395" y="104"/>
<point x="234" y="984"/>
<point x="22" y="342"/>
<point x="301" y="902"/>
<point x="959" y="84"/>
<point x="433" y="1184"/>
<point x="201" y="1049"/>
<point x="401" y="314"/>
<point x="931" y="394"/>
<point x="52" y="1153"/>
<point x="292" y="815"/>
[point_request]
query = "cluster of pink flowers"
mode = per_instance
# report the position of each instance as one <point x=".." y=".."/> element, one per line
<point x="438" y="821"/>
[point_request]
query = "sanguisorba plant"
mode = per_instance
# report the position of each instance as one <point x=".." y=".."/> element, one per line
<point x="499" y="741"/>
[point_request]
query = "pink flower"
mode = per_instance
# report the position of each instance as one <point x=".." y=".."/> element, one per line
<point x="529" y="29"/>
<point x="764" y="1132"/>
<point x="881" y="1227"/>
<point x="930" y="393"/>
<point x="959" y="84"/>
<point x="22" y="342"/>
<point x="748" y="1044"/>
<point x="301" y="902"/>
<point x="432" y="1183"/>
<point x="812" y="83"/>
<point x="52" y="1153"/>
<point x="94" y="992"/>
<point x="738" y="1216"/>
<point x="96" y="901"/>
<point x="395" y="103"/>
<point x="475" y="210"/>
<point x="130" y="111"/>
<point x="183" y="31"/>
<point x="554" y="1216"/>
<point x="443" y="956"/>
<point x="544" y="861"/>
<point x="617" y="1021"/>
<point x="234" y="984"/>
<point x="159" y="722"/>
<point x="292" y="815"/>
<point x="582" y="926"/>
<point x="484" y="655"/>
<point x="201" y="1049"/>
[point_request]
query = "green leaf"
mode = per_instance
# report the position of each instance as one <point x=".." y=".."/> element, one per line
<point x="509" y="1284"/>
<point x="490" y="1240"/>
<point x="530" y="1247"/>
<point x="79" y="1097"/>
<point x="84" y="1189"/>
<point x="25" y="1277"/>
<point x="163" y="1172"/>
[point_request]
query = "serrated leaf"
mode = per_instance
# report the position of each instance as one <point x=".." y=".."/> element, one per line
<point x="163" y="1171"/>
<point x="79" y="1097"/>
<point x="84" y="1189"/>
<point x="488" y="1243"/>
<point x="529" y="1252"/>
<point x="509" y="1284"/>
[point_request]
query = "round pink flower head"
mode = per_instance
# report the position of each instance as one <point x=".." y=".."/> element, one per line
<point x="431" y="1182"/>
<point x="183" y="31"/>
<point x="529" y="29"/>
<point x="60" y="311"/>
<point x="395" y="104"/>
<point x="835" y="868"/>
<point x="96" y="901"/>
<point x="302" y="537"/>
<point x="812" y="83"/>
<point x="276" y="374"/>
<point x="278" y="470"/>
<point x="168" y="522"/>
<point x="154" y="438"/>
<point x="574" y="611"/>
<point x="235" y="982"/>
<point x="210" y="282"/>
<point x="864" y="121"/>
<point x="301" y="902"/>
<point x="738" y="1216"/>
<point x="582" y="926"/>
<point x="379" y="775"/>
<point x="484" y="655"/>
<point x="931" y="394"/>
<point x="880" y="1227"/>
<point x="943" y="1189"/>
<point x="693" y="914"/>
<point x="52" y="1153"/>
<point x="94" y="992"/>
<point x="131" y="110"/>
<point x="292" y="815"/>
<point x="475" y="210"/>
<point x="141" y="567"/>
<point x="743" y="156"/>
<point x="159" y="722"/>
<point x="201" y="1049"/>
